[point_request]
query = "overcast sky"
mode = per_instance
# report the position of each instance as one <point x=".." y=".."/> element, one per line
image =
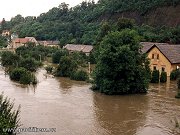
<point x="10" y="8"/>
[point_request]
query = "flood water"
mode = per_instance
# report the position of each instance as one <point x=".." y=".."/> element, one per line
<point x="73" y="109"/>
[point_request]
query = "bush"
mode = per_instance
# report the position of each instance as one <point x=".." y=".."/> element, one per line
<point x="121" y="68"/>
<point x="29" y="64"/>
<point x="66" y="67"/>
<point x="155" y="76"/>
<point x="178" y="83"/>
<point x="17" y="73"/>
<point x="26" y="78"/>
<point x="163" y="77"/>
<point x="174" y="75"/>
<point x="49" y="69"/>
<point x="23" y="76"/>
<point x="57" y="55"/>
<point x="79" y="76"/>
<point x="8" y="117"/>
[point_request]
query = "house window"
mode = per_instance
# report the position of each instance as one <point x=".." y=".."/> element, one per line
<point x="158" y="56"/>
<point x="163" y="69"/>
<point x="152" y="56"/>
<point x="154" y="68"/>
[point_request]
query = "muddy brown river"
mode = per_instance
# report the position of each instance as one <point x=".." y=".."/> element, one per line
<point x="73" y="109"/>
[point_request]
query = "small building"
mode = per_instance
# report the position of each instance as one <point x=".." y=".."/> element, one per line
<point x="87" y="49"/>
<point x="50" y="43"/>
<point x="17" y="42"/>
<point x="6" y="33"/>
<point x="163" y="56"/>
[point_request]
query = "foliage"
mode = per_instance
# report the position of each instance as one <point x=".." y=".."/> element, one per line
<point x="17" y="73"/>
<point x="9" y="59"/>
<point x="155" y="76"/>
<point x="8" y="117"/>
<point x="81" y="24"/>
<point x="58" y="54"/>
<point x="174" y="74"/>
<point x="29" y="64"/>
<point x="124" y="23"/>
<point x="79" y="57"/>
<point x="163" y="77"/>
<point x="121" y="68"/>
<point x="26" y="78"/>
<point x="3" y="42"/>
<point x="49" y="69"/>
<point x="66" y="67"/>
<point x="178" y="82"/>
<point x="22" y="75"/>
<point x="79" y="76"/>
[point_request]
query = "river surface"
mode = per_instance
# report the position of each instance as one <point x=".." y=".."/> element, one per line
<point x="73" y="109"/>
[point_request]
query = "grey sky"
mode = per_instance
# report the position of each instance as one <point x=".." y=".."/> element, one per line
<point x="10" y="8"/>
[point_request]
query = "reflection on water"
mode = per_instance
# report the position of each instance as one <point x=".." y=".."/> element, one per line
<point x="73" y="109"/>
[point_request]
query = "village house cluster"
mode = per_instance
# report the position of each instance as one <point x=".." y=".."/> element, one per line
<point x="162" y="56"/>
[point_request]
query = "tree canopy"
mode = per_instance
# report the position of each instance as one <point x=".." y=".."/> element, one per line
<point x="121" y="68"/>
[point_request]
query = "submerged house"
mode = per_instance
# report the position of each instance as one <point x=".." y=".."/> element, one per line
<point x="87" y="49"/>
<point x="163" y="56"/>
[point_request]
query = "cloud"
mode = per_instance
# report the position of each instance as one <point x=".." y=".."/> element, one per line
<point x="10" y="8"/>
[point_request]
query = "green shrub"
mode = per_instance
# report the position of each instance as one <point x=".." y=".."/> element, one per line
<point x="178" y="82"/>
<point x="155" y="76"/>
<point x="174" y="75"/>
<point x="163" y="77"/>
<point x="16" y="73"/>
<point x="26" y="78"/>
<point x="23" y="76"/>
<point x="57" y="55"/>
<point x="79" y="76"/>
<point x="8" y="117"/>
<point x="30" y="64"/>
<point x="66" y="67"/>
<point x="49" y="69"/>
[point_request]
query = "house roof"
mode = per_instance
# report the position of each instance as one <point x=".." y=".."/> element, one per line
<point x="52" y="42"/>
<point x="79" y="48"/>
<point x="24" y="40"/>
<point x="171" y="52"/>
<point x="49" y="42"/>
<point x="21" y="40"/>
<point x="147" y="45"/>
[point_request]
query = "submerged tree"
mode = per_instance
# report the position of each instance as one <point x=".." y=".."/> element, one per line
<point x="121" y="67"/>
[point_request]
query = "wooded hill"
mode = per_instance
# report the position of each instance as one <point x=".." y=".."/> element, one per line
<point x="156" y="20"/>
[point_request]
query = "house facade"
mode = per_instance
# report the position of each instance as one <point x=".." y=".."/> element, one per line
<point x="163" y="57"/>
<point x="79" y="48"/>
<point x="17" y="42"/>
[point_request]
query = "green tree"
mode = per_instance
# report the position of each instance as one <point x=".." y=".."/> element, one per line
<point x="8" y="117"/>
<point x="79" y="76"/>
<point x="9" y="59"/>
<point x="17" y="73"/>
<point x="66" y="67"/>
<point x="163" y="77"/>
<point x="124" y="23"/>
<point x="29" y="64"/>
<point x="58" y="54"/>
<point x="155" y="76"/>
<point x="121" y="68"/>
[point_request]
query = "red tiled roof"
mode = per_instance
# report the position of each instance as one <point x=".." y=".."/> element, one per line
<point x="21" y="40"/>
